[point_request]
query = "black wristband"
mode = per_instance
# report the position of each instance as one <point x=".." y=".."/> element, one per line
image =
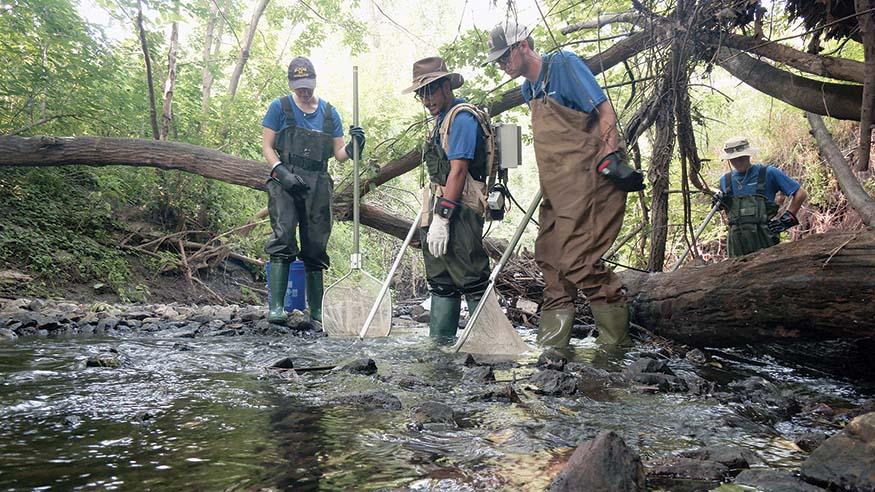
<point x="446" y="208"/>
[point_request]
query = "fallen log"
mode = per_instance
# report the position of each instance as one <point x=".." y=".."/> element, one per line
<point x="819" y="287"/>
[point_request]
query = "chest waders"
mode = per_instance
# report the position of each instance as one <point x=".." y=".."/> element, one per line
<point x="306" y="153"/>
<point x="464" y="269"/>
<point x="580" y="217"/>
<point x="748" y="218"/>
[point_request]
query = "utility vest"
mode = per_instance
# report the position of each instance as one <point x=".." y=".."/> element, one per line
<point x="438" y="165"/>
<point x="748" y="218"/>
<point x="304" y="148"/>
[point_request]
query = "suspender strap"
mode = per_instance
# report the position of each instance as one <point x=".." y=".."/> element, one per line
<point x="761" y="181"/>
<point x="288" y="112"/>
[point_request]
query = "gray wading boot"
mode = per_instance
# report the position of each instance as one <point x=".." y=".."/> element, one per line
<point x="443" y="320"/>
<point x="555" y="327"/>
<point x="315" y="290"/>
<point x="612" y="322"/>
<point x="279" y="282"/>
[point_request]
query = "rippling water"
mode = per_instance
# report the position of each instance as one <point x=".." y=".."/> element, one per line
<point x="214" y="418"/>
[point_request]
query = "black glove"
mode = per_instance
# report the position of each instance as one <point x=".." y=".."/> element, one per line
<point x="717" y="200"/>
<point x="356" y="134"/>
<point x="624" y="177"/>
<point x="780" y="224"/>
<point x="290" y="181"/>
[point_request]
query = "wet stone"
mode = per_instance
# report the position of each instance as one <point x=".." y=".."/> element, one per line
<point x="137" y="315"/>
<point x="552" y="358"/>
<point x="661" y="382"/>
<point x="689" y="468"/>
<point x="374" y="399"/>
<point x="553" y="382"/>
<point x="107" y="324"/>
<point x="733" y="457"/>
<point x="7" y="334"/>
<point x="104" y="360"/>
<point x="479" y="374"/>
<point x="697" y="385"/>
<point x="696" y="356"/>
<point x="362" y="366"/>
<point x="72" y="421"/>
<point x="604" y="464"/>
<point x="434" y="412"/>
<point x="845" y="461"/>
<point x="182" y="347"/>
<point x="809" y="441"/>
<point x="774" y="481"/>
<point x="500" y="394"/>
<point x="647" y="365"/>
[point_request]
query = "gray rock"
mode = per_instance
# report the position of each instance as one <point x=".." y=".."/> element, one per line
<point x="137" y="315"/>
<point x="552" y="358"/>
<point x="104" y="360"/>
<point x="552" y="382"/>
<point x="648" y="365"/>
<point x="604" y="464"/>
<point x="732" y="457"/>
<point x="374" y="399"/>
<point x="479" y="374"/>
<point x="72" y="421"/>
<point x="660" y="381"/>
<point x="106" y="324"/>
<point x="502" y="394"/>
<point x="284" y="363"/>
<point x="690" y="469"/>
<point x="434" y="412"/>
<point x="362" y="366"/>
<point x="774" y="481"/>
<point x="7" y="334"/>
<point x="809" y="441"/>
<point x="697" y="385"/>
<point x="182" y="347"/>
<point x="845" y="461"/>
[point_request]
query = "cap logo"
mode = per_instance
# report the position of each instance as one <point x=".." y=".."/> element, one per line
<point x="301" y="72"/>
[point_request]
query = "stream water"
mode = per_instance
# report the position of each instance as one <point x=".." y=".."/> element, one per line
<point x="208" y="415"/>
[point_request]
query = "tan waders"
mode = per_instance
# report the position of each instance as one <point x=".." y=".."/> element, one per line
<point x="580" y="215"/>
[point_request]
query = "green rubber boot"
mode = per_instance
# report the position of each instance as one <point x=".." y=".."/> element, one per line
<point x="315" y="290"/>
<point x="612" y="322"/>
<point x="443" y="318"/>
<point x="555" y="327"/>
<point x="279" y="282"/>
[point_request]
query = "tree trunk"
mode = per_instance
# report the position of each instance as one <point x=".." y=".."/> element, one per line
<point x="169" y="83"/>
<point x="819" y="287"/>
<point x="867" y="31"/>
<point x="247" y="45"/>
<point x="207" y="75"/>
<point x="153" y="113"/>
<point x="857" y="196"/>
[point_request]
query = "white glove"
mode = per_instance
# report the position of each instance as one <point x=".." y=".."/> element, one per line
<point x="438" y="236"/>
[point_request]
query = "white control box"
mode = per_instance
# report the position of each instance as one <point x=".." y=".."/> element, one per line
<point x="510" y="145"/>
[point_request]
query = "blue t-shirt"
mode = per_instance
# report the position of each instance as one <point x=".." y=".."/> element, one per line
<point x="745" y="184"/>
<point x="570" y="83"/>
<point x="464" y="133"/>
<point x="276" y="120"/>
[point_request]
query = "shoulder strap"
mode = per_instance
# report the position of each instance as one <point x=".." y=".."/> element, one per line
<point x="328" y="119"/>
<point x="727" y="188"/>
<point x="289" y="113"/>
<point x="761" y="181"/>
<point x="482" y="118"/>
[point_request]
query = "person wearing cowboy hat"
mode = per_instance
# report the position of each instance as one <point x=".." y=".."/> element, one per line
<point x="747" y="194"/>
<point x="301" y="132"/>
<point x="581" y="213"/>
<point x="455" y="262"/>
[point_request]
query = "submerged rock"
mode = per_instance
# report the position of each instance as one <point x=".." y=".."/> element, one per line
<point x="104" y="360"/>
<point x="732" y="457"/>
<point x="284" y="363"/>
<point x="809" y="441"/>
<point x="552" y="358"/>
<point x="552" y="382"/>
<point x="434" y="412"/>
<point x="604" y="464"/>
<point x="845" y="461"/>
<point x="479" y="374"/>
<point x="374" y="399"/>
<point x="362" y="366"/>
<point x="690" y="468"/>
<point x="774" y="481"/>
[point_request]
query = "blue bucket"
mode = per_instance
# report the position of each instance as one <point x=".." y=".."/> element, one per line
<point x="295" y="289"/>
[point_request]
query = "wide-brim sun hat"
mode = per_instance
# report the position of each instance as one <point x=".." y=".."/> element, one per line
<point x="737" y="147"/>
<point x="428" y="70"/>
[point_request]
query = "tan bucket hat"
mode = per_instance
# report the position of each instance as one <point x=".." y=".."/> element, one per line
<point x="428" y="70"/>
<point x="737" y="147"/>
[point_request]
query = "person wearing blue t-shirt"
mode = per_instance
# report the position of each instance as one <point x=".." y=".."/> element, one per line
<point x="574" y="129"/>
<point x="455" y="262"/>
<point x="747" y="193"/>
<point x="301" y="132"/>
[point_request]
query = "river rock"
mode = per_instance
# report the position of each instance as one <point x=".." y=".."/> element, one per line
<point x="104" y="360"/>
<point x="774" y="481"/>
<point x="552" y="358"/>
<point x="138" y="315"/>
<point x="660" y="382"/>
<point x="553" y="382"/>
<point x="434" y="412"/>
<point x="648" y="365"/>
<point x="845" y="461"/>
<point x="362" y="366"/>
<point x="72" y="421"/>
<point x="501" y="394"/>
<point x="375" y="399"/>
<point x="479" y="374"/>
<point x="732" y="457"/>
<point x="7" y="334"/>
<point x="689" y="468"/>
<point x="809" y="441"/>
<point x="284" y="363"/>
<point x="604" y="464"/>
<point x="696" y="356"/>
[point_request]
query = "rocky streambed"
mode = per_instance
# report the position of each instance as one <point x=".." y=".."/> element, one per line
<point x="177" y="397"/>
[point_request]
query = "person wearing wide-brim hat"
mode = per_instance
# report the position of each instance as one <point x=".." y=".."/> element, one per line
<point x="581" y="213"/>
<point x="747" y="194"/>
<point x="455" y="262"/>
<point x="301" y="132"/>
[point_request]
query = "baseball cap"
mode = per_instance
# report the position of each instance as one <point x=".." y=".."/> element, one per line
<point x="302" y="75"/>
<point x="502" y="37"/>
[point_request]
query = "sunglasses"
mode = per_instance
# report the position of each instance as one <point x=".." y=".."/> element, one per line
<point x="502" y="60"/>
<point x="429" y="89"/>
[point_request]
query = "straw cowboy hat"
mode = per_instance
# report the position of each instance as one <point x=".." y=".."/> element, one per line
<point x="737" y="147"/>
<point x="428" y="70"/>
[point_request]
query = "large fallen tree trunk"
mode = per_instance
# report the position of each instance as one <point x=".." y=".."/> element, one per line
<point x="820" y="287"/>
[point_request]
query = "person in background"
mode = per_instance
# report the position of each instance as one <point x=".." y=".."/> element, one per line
<point x="747" y="194"/>
<point x="301" y="132"/>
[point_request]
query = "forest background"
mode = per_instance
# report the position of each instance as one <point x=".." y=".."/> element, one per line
<point x="78" y="68"/>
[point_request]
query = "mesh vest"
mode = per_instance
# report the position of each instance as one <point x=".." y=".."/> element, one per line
<point x="439" y="165"/>
<point x="302" y="147"/>
<point x="748" y="218"/>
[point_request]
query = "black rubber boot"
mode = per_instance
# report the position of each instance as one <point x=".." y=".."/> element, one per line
<point x="555" y="327"/>
<point x="279" y="282"/>
<point x="315" y="290"/>
<point x="443" y="320"/>
<point x="612" y="322"/>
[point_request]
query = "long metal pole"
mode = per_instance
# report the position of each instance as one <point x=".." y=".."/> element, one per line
<point x="497" y="270"/>
<point x="388" y="281"/>
<point x="356" y="261"/>
<point x="696" y="236"/>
